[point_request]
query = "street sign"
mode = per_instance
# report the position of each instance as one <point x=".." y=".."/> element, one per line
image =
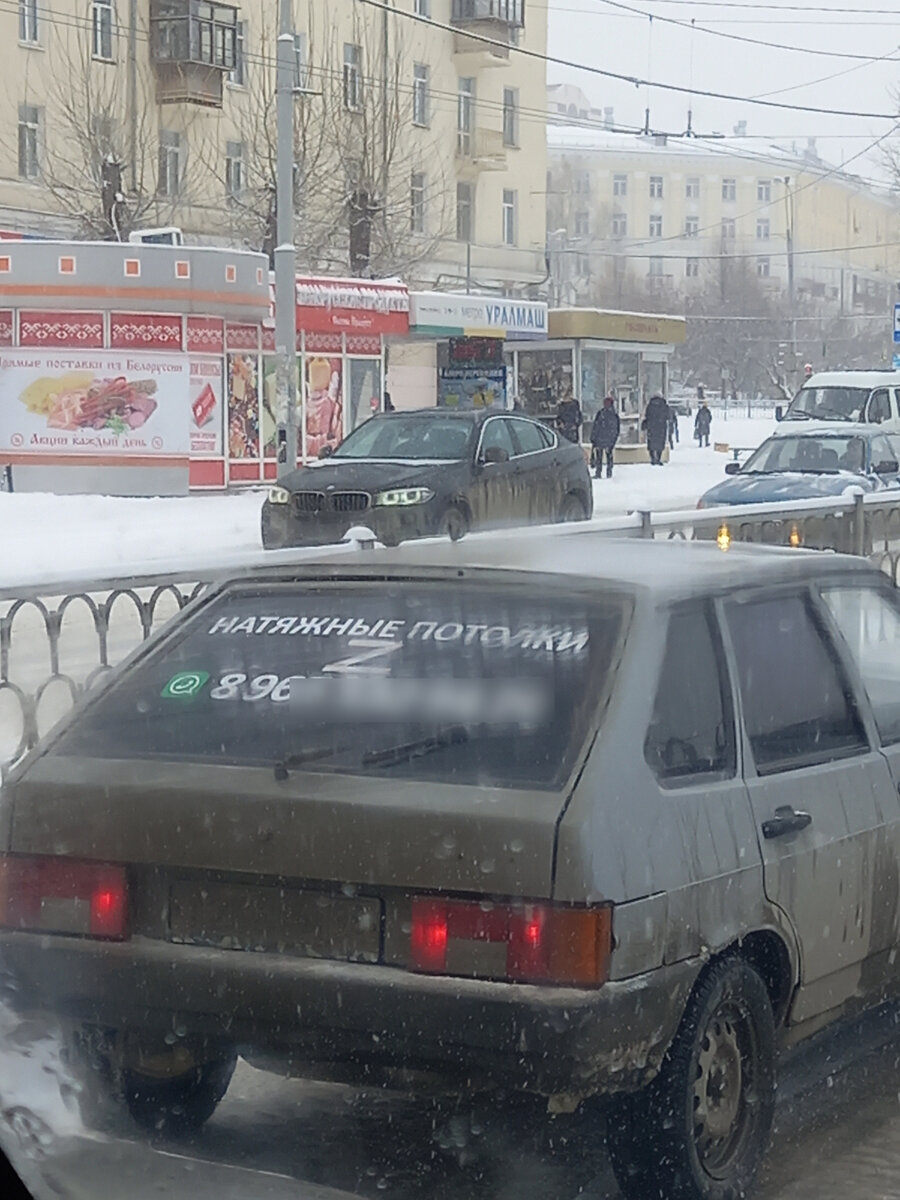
<point x="897" y="324"/>
<point x="896" y="362"/>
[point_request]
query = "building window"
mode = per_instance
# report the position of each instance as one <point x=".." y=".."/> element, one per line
<point x="465" y="213"/>
<point x="352" y="76"/>
<point x="465" y="115"/>
<point x="28" y="21"/>
<point x="619" y="225"/>
<point x="301" y="61"/>
<point x="656" y="225"/>
<point x="234" y="170"/>
<point x="583" y="183"/>
<point x="102" y="29"/>
<point x="656" y="187"/>
<point x="763" y="229"/>
<point x="691" y="226"/>
<point x="29" y="141"/>
<point x="238" y="73"/>
<point x="417" y="202"/>
<point x="728" y="229"/>
<point x="657" y="267"/>
<point x="729" y="189"/>
<point x="168" y="182"/>
<point x="510" y="232"/>
<point x="692" y="188"/>
<point x="420" y="94"/>
<point x="423" y="8"/>
<point x="583" y="265"/>
<point x="582" y="224"/>
<point x="620" y="185"/>
<point x="692" y="268"/>
<point x="763" y="268"/>
<point x="764" y="190"/>
<point x="510" y="116"/>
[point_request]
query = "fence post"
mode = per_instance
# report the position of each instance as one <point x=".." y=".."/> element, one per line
<point x="859" y="526"/>
<point x="646" y="524"/>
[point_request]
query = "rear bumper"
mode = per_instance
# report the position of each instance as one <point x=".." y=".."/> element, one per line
<point x="282" y="527"/>
<point x="546" y="1040"/>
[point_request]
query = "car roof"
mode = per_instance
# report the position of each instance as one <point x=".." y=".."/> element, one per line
<point x="578" y="553"/>
<point x="826" y="429"/>
<point x="860" y="379"/>
<point x="462" y="414"/>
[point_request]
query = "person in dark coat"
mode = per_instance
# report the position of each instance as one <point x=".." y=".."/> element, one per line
<point x="604" y="435"/>
<point x="569" y="419"/>
<point x="702" y="424"/>
<point x="656" y="424"/>
<point x="673" y="427"/>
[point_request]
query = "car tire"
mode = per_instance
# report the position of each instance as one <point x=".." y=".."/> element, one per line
<point x="572" y="509"/>
<point x="454" y="523"/>
<point x="700" y="1130"/>
<point x="179" y="1105"/>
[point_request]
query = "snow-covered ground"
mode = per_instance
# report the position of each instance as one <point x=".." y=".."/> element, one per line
<point x="45" y="537"/>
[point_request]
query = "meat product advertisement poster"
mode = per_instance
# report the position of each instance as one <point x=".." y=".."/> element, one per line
<point x="206" y="406"/>
<point x="117" y="405"/>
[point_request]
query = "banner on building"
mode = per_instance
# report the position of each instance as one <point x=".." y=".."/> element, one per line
<point x="206" y="406"/>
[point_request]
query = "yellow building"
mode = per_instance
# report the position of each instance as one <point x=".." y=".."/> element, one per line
<point x="415" y="152"/>
<point x="634" y="214"/>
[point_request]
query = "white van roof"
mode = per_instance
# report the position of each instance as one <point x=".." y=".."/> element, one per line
<point x="859" y="379"/>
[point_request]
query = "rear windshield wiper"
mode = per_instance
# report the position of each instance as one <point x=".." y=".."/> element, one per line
<point x="391" y="755"/>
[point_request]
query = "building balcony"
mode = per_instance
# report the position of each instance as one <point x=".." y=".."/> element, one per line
<point x="497" y="20"/>
<point x="481" y="150"/>
<point x="193" y="45"/>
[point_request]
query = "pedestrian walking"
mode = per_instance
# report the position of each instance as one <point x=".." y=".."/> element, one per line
<point x="656" y="425"/>
<point x="604" y="435"/>
<point x="569" y="419"/>
<point x="702" y="424"/>
<point x="672" y="427"/>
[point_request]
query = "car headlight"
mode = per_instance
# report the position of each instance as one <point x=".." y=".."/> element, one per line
<point x="279" y="495"/>
<point x="400" y="497"/>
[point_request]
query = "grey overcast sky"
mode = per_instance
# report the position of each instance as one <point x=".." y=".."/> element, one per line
<point x="621" y="37"/>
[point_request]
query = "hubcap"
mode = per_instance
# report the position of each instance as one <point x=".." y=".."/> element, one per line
<point x="722" y="1114"/>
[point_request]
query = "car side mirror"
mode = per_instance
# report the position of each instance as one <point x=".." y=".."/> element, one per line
<point x="733" y="468"/>
<point x="495" y="454"/>
<point x="779" y="412"/>
<point x="890" y="466"/>
<point x="326" y="451"/>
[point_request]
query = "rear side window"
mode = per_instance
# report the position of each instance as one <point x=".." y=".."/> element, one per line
<point x="879" y="407"/>
<point x="496" y="436"/>
<point x="691" y="733"/>
<point x="869" y="619"/>
<point x="798" y="710"/>
<point x="528" y="436"/>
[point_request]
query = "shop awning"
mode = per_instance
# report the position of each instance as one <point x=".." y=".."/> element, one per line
<point x="612" y="326"/>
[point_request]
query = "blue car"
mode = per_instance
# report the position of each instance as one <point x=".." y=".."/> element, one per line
<point x="809" y="464"/>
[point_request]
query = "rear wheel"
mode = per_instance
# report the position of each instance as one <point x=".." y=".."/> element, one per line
<point x="573" y="509"/>
<point x="179" y="1104"/>
<point x="454" y="523"/>
<point x="700" y="1130"/>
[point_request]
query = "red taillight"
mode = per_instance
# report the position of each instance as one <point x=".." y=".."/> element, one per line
<point x="529" y="943"/>
<point x="62" y="895"/>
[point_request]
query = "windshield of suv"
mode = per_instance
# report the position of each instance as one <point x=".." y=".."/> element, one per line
<point x="468" y="687"/>
<point x="829" y="403"/>
<point x="814" y="455"/>
<point x="401" y="436"/>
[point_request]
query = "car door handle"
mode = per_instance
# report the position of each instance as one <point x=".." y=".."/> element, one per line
<point x="785" y="821"/>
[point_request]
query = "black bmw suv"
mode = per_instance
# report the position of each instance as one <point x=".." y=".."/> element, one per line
<point x="430" y="472"/>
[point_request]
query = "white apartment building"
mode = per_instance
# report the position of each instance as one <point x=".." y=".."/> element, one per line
<point x="418" y="149"/>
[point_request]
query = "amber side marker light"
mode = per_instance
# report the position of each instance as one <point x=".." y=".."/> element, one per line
<point x="63" y="895"/>
<point x="796" y="538"/>
<point x="723" y="538"/>
<point x="544" y="943"/>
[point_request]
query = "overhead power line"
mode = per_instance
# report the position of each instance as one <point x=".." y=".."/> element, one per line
<point x="634" y="80"/>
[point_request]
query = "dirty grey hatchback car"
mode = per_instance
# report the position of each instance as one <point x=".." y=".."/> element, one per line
<point x="549" y="812"/>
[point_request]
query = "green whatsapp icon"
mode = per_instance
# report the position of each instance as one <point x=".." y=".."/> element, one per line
<point x="185" y="685"/>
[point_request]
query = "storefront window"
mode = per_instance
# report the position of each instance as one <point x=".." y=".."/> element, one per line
<point x="654" y="379"/>
<point x="593" y="380"/>
<point x="363" y="390"/>
<point x="243" y="406"/>
<point x="545" y="378"/>
<point x="324" y="403"/>
<point x="624" y="386"/>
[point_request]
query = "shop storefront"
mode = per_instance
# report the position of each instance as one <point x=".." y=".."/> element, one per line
<point x="112" y="363"/>
<point x="341" y="326"/>
<point x="454" y="353"/>
<point x="591" y="353"/>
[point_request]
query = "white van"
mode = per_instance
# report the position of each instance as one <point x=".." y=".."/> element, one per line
<point x="869" y="396"/>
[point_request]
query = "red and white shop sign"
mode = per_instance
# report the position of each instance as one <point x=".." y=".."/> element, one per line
<point x="145" y="331"/>
<point x="205" y="335"/>
<point x="70" y="330"/>
<point x="352" y="306"/>
<point x="7" y="327"/>
<point x="241" y="337"/>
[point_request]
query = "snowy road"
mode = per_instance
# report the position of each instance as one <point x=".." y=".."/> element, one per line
<point x="837" y="1138"/>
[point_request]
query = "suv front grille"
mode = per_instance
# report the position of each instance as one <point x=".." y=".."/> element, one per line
<point x="308" y="503"/>
<point x="350" y="501"/>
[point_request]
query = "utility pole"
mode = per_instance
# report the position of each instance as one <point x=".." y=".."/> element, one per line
<point x="285" y="251"/>
<point x="789" y="243"/>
